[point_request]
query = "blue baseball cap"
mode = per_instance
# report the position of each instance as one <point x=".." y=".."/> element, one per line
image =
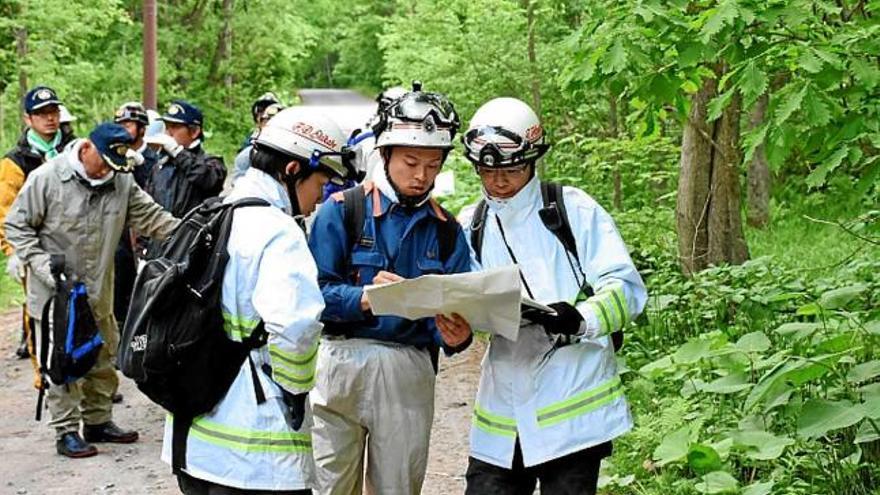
<point x="113" y="142"/>
<point x="39" y="97"/>
<point x="183" y="112"/>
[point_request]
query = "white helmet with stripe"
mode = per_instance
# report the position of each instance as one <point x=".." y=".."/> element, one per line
<point x="504" y="132"/>
<point x="417" y="119"/>
<point x="309" y="135"/>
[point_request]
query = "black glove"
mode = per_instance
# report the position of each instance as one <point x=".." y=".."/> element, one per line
<point x="296" y="408"/>
<point x="566" y="322"/>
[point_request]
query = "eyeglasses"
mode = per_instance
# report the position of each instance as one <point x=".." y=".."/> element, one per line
<point x="506" y="172"/>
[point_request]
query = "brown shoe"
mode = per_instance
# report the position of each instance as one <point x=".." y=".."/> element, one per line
<point x="109" y="432"/>
<point x="72" y="445"/>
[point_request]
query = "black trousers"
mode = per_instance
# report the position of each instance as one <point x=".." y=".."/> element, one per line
<point x="194" y="486"/>
<point x="124" y="276"/>
<point x="574" y="474"/>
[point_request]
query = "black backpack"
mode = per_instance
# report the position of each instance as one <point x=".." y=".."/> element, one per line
<point x="173" y="344"/>
<point x="555" y="219"/>
<point x="70" y="344"/>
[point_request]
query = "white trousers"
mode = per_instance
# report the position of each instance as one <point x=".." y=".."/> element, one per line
<point x="376" y="400"/>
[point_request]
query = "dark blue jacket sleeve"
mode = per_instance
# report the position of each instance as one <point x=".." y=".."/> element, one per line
<point x="458" y="262"/>
<point x="331" y="249"/>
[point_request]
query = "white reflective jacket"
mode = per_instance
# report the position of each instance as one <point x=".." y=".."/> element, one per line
<point x="271" y="276"/>
<point x="556" y="399"/>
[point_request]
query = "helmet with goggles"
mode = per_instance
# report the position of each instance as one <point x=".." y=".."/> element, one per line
<point x="417" y="119"/>
<point x="505" y="132"/>
<point x="132" y="111"/>
<point x="310" y="136"/>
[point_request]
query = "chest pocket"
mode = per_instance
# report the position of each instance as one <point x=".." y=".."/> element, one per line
<point x="365" y="265"/>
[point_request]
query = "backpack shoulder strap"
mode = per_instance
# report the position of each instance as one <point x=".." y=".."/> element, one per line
<point x="478" y="221"/>
<point x="551" y="194"/>
<point x="447" y="231"/>
<point x="353" y="208"/>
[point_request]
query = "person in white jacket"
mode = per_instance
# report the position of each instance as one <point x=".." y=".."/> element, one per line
<point x="549" y="403"/>
<point x="260" y="442"/>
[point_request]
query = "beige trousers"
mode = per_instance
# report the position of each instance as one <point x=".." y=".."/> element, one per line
<point x="373" y="405"/>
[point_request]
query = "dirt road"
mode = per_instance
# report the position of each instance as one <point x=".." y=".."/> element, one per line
<point x="31" y="466"/>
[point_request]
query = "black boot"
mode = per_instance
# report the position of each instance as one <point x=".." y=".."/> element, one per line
<point x="72" y="445"/>
<point x="22" y="352"/>
<point x="109" y="432"/>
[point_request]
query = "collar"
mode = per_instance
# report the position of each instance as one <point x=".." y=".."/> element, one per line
<point x="41" y="146"/>
<point x="520" y="205"/>
<point x="382" y="203"/>
<point x="258" y="184"/>
<point x="78" y="171"/>
<point x="142" y="148"/>
<point x="194" y="145"/>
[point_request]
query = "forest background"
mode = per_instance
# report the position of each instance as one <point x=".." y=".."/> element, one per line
<point x="734" y="141"/>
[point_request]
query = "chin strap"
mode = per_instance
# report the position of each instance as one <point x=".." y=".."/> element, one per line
<point x="409" y="201"/>
<point x="290" y="181"/>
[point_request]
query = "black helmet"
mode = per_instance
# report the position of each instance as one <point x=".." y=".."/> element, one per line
<point x="261" y="103"/>
<point x="132" y="111"/>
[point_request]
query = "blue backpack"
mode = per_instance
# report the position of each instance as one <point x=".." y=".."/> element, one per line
<point x="69" y="337"/>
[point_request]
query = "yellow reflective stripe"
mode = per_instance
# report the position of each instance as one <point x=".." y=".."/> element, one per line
<point x="493" y="423"/>
<point x="238" y="326"/>
<point x="482" y="335"/>
<point x="604" y="321"/>
<point x="617" y="297"/>
<point x="292" y="359"/>
<point x="250" y="440"/>
<point x="581" y="403"/>
<point x="293" y="380"/>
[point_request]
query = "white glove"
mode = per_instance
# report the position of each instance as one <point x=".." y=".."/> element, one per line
<point x="167" y="142"/>
<point x="15" y="269"/>
<point x="134" y="156"/>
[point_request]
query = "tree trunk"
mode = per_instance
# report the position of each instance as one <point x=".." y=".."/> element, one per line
<point x="758" y="210"/>
<point x="533" y="59"/>
<point x="224" y="44"/>
<point x="617" y="198"/>
<point x="708" y="218"/>
<point x="21" y="48"/>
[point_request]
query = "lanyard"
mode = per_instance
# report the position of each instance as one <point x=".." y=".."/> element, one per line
<point x="513" y="257"/>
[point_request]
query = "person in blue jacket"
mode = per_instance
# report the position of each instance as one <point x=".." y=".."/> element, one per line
<point x="374" y="391"/>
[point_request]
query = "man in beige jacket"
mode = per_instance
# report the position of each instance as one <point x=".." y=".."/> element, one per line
<point x="77" y="205"/>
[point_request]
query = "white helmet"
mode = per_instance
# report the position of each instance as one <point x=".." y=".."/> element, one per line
<point x="64" y="115"/>
<point x="419" y="120"/>
<point x="308" y="134"/>
<point x="388" y="95"/>
<point x="504" y="132"/>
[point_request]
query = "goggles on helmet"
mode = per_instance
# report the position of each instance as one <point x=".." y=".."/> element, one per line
<point x="418" y="107"/>
<point x="499" y="147"/>
<point x="133" y="112"/>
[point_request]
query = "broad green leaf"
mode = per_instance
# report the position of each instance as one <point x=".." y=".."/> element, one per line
<point x="673" y="448"/>
<point x="692" y="351"/>
<point x="761" y="445"/>
<point x="791" y="102"/>
<point x="703" y="459"/>
<point x="657" y="367"/>
<point x="753" y="342"/>
<point x="759" y="488"/>
<point x="810" y="62"/>
<point x="871" y="405"/>
<point x="732" y="383"/>
<point x="830" y="58"/>
<point x="718" y="104"/>
<point x="873" y="327"/>
<point x="810" y="309"/>
<point x="864" y="372"/>
<point x="838" y="298"/>
<point x="793" y="372"/>
<point x="690" y="54"/>
<point x="752" y="83"/>
<point x="819" y="175"/>
<point x="866" y="72"/>
<point x="616" y="58"/>
<point x="820" y="416"/>
<point x="724" y="14"/>
<point x="867" y="433"/>
<point x="717" y="482"/>
<point x="797" y="330"/>
<point x="816" y="111"/>
<point x="750" y="142"/>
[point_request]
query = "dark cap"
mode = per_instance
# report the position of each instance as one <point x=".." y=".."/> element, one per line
<point x="113" y="142"/>
<point x="39" y="97"/>
<point x="183" y="112"/>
